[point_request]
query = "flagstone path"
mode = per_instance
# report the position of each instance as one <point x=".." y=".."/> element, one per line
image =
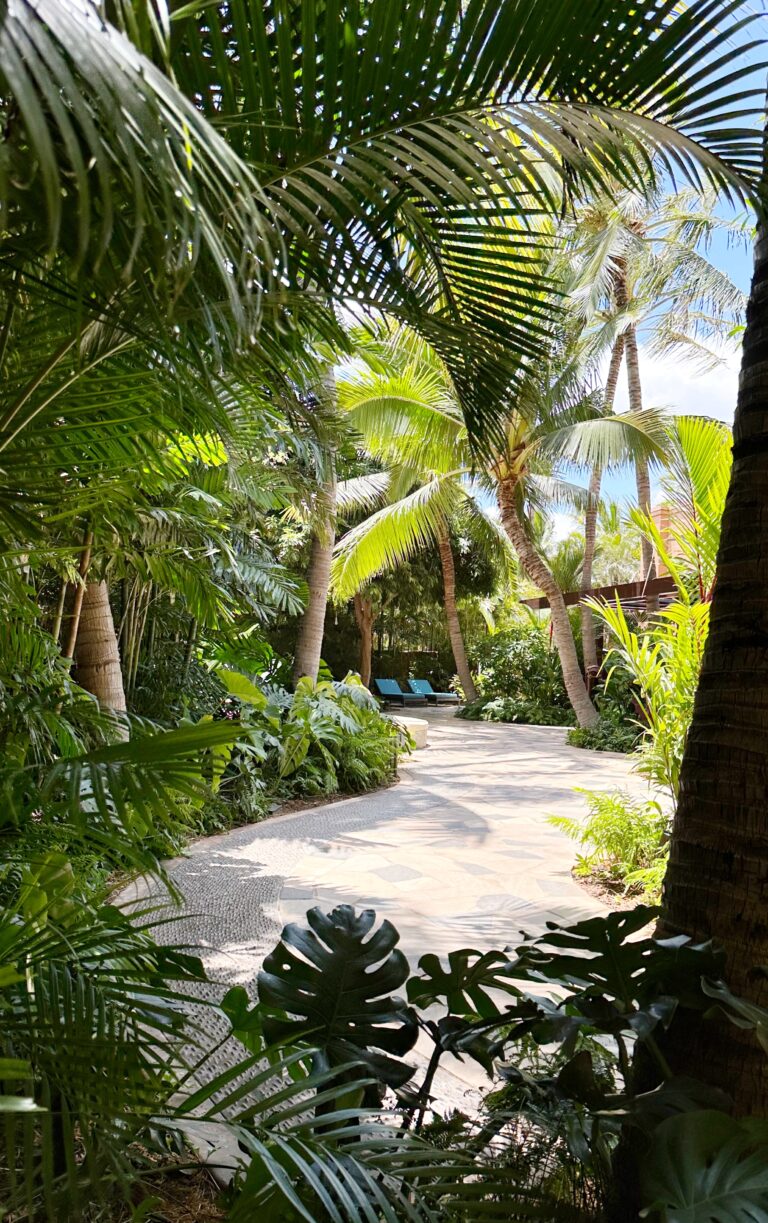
<point x="457" y="854"/>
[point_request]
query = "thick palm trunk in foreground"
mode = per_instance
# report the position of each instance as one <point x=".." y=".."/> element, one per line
<point x="717" y="881"/>
<point x="537" y="571"/>
<point x="97" y="658"/>
<point x="364" y="618"/>
<point x="452" y="616"/>
<point x="309" y="643"/>
<point x="590" y="518"/>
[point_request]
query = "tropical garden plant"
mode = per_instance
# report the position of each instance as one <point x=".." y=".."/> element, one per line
<point x="185" y="192"/>
<point x="409" y="419"/>
<point x="660" y="657"/>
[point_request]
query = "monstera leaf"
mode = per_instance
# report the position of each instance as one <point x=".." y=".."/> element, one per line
<point x="613" y="973"/>
<point x="707" y="1166"/>
<point x="464" y="984"/>
<point x="329" y="987"/>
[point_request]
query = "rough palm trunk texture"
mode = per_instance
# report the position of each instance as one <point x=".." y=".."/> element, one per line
<point x="717" y="882"/>
<point x="641" y="465"/>
<point x="309" y="643"/>
<point x="562" y="633"/>
<point x="590" y="518"/>
<point x="452" y="616"/>
<point x="97" y="658"/>
<point x="364" y="617"/>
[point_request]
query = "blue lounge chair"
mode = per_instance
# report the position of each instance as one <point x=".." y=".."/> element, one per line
<point x="422" y="687"/>
<point x="392" y="694"/>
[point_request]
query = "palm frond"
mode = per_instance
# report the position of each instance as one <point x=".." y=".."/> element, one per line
<point x="609" y="441"/>
<point x="416" y="162"/>
<point x="103" y="147"/>
<point x="362" y="492"/>
<point x="393" y="534"/>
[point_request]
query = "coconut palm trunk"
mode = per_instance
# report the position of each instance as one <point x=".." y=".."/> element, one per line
<point x="364" y="618"/>
<point x="97" y="658"/>
<point x="537" y="570"/>
<point x="590" y="519"/>
<point x="309" y="643"/>
<point x="717" y="881"/>
<point x="642" y="475"/>
<point x="452" y="615"/>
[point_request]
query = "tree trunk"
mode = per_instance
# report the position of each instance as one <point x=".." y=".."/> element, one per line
<point x="538" y="572"/>
<point x="452" y="616"/>
<point x="590" y="539"/>
<point x="97" y="658"/>
<point x="642" y="475"/>
<point x="717" y="881"/>
<point x="68" y="650"/>
<point x="590" y="519"/>
<point x="364" y="617"/>
<point x="309" y="643"/>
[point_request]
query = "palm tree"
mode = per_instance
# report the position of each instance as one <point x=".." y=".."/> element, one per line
<point x="410" y="421"/>
<point x="639" y="266"/>
<point x="557" y="421"/>
<point x="714" y="884"/>
<point x="309" y="641"/>
<point x="423" y="486"/>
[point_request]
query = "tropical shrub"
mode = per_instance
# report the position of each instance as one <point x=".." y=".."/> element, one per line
<point x="663" y="662"/>
<point x="607" y="736"/>
<point x="624" y="838"/>
<point x="322" y="738"/>
<point x="552" y="1022"/>
<point x="519" y="679"/>
<point x="520" y="662"/>
<point x="517" y="709"/>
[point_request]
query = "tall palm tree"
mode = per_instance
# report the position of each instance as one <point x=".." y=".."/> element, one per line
<point x="639" y="267"/>
<point x="410" y="421"/>
<point x="715" y="886"/>
<point x="423" y="490"/>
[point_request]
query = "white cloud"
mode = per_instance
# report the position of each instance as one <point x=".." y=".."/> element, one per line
<point x="678" y="386"/>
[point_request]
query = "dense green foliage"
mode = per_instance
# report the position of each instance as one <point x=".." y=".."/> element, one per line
<point x="519" y="679"/>
<point x="194" y="196"/>
<point x="551" y="1021"/>
<point x="620" y="728"/>
<point x="624" y="839"/>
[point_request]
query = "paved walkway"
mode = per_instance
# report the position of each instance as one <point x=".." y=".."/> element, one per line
<point x="457" y="854"/>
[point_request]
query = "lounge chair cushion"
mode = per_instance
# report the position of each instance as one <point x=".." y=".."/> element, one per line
<point x="424" y="688"/>
<point x="390" y="690"/>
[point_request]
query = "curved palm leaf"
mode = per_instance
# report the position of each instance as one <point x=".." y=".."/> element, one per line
<point x="413" y="153"/>
<point x="609" y="441"/>
<point x="393" y="534"/>
<point x="407" y="418"/>
<point x="103" y="146"/>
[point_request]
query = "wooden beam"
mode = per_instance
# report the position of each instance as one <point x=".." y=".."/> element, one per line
<point x="625" y="592"/>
